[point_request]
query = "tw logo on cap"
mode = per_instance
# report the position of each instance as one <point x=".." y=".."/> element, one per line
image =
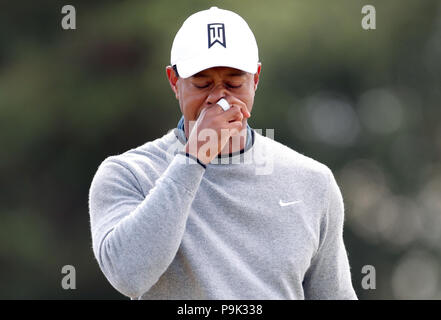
<point x="216" y="33"/>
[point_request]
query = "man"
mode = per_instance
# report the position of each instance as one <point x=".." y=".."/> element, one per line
<point x="190" y="216"/>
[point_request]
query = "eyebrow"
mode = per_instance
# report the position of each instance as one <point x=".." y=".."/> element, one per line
<point x="231" y="74"/>
<point x="236" y="74"/>
<point x="199" y="75"/>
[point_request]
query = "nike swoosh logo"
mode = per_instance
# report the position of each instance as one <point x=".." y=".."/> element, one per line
<point x="284" y="204"/>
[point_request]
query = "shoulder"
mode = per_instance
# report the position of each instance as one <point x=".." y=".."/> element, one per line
<point x="150" y="154"/>
<point x="140" y="165"/>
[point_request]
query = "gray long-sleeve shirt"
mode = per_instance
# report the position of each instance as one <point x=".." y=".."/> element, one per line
<point x="266" y="225"/>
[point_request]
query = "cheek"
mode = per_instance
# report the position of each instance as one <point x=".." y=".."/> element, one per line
<point x="190" y="104"/>
<point x="250" y="103"/>
<point x="248" y="97"/>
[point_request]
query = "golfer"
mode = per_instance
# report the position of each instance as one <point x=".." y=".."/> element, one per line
<point x="214" y="209"/>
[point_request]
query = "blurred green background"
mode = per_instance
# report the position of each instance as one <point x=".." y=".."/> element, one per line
<point x="365" y="103"/>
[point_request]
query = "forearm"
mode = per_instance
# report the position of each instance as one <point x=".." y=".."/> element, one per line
<point x="329" y="275"/>
<point x="135" y="250"/>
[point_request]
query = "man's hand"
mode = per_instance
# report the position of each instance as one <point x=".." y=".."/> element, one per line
<point x="213" y="129"/>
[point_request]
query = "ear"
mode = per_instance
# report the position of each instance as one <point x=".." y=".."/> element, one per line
<point x="172" y="79"/>
<point x="256" y="76"/>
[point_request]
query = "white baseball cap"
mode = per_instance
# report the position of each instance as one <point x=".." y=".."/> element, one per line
<point x="214" y="38"/>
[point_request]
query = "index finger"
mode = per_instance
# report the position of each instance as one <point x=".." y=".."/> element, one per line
<point x="225" y="105"/>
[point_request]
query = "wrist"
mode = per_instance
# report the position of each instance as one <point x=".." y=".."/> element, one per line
<point x="194" y="153"/>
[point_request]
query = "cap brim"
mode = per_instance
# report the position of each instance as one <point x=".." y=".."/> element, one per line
<point x="192" y="66"/>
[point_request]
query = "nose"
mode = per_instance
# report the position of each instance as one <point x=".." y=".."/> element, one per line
<point x="216" y="93"/>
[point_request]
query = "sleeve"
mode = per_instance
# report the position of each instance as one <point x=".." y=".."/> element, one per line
<point x="328" y="276"/>
<point x="135" y="238"/>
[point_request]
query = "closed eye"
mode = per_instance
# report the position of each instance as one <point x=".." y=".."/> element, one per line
<point x="229" y="85"/>
<point x="202" y="86"/>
